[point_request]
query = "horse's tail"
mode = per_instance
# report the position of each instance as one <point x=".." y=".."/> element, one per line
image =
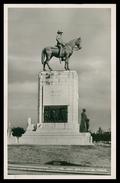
<point x="43" y="56"/>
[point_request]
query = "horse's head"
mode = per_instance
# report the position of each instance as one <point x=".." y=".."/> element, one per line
<point x="78" y="43"/>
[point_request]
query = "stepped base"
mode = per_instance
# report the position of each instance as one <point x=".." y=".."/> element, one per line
<point x="56" y="138"/>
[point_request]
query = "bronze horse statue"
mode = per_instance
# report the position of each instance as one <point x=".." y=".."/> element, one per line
<point x="67" y="51"/>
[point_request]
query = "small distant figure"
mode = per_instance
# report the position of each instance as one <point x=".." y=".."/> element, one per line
<point x="60" y="43"/>
<point x="84" y="126"/>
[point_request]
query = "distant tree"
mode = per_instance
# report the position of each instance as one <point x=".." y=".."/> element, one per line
<point x="100" y="130"/>
<point x="17" y="132"/>
<point x="107" y="136"/>
<point x="101" y="135"/>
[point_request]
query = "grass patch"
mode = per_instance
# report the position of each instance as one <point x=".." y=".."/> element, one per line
<point x="72" y="154"/>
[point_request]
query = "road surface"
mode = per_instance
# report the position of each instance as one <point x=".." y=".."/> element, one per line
<point x="26" y="169"/>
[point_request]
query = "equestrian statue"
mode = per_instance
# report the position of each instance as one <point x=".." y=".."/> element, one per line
<point x="62" y="50"/>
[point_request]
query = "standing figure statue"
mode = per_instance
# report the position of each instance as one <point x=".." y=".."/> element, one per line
<point x="84" y="126"/>
<point x="60" y="44"/>
<point x="83" y="121"/>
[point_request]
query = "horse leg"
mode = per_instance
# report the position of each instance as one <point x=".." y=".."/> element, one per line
<point x="68" y="64"/>
<point x="65" y="65"/>
<point x="48" y="65"/>
<point x="44" y="65"/>
<point x="47" y="61"/>
<point x="48" y="57"/>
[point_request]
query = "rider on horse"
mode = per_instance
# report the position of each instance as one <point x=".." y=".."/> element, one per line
<point x="60" y="43"/>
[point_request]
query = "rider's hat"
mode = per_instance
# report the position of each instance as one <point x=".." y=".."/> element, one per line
<point x="59" y="32"/>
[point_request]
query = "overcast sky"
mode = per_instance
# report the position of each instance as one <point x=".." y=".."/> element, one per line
<point x="32" y="29"/>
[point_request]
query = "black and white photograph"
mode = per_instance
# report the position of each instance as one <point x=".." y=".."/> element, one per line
<point x="59" y="91"/>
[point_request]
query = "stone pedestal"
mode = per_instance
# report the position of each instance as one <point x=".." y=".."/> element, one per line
<point x="57" y="111"/>
<point x="58" y="100"/>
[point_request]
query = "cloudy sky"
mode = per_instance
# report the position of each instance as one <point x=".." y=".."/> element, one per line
<point x="32" y="29"/>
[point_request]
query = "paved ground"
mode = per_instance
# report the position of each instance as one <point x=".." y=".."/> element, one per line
<point x="27" y="169"/>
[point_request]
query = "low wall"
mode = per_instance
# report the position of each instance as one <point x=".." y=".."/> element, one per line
<point x="12" y="140"/>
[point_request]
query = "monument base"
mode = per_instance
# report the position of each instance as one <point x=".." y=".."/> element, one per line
<point x="56" y="138"/>
<point x="57" y="111"/>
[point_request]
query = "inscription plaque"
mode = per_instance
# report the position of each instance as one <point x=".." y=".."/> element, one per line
<point x="55" y="95"/>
